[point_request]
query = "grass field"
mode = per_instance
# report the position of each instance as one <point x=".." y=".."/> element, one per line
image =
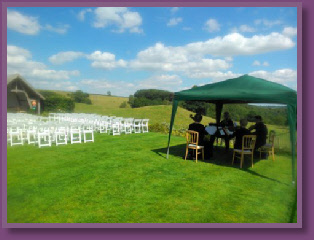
<point x="109" y="105"/>
<point x="128" y="179"/>
<point x="155" y="114"/>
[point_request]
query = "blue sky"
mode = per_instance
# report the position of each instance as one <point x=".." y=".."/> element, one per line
<point x="124" y="49"/>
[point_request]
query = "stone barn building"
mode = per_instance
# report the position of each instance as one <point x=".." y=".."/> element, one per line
<point x="21" y="96"/>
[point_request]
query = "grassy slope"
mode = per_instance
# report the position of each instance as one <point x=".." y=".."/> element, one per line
<point x="106" y="105"/>
<point x="128" y="179"/>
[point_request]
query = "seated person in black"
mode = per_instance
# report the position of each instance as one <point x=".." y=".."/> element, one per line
<point x="198" y="127"/>
<point x="260" y="132"/>
<point x="239" y="133"/>
<point x="226" y="123"/>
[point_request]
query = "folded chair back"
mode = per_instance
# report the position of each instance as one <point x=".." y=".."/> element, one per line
<point x="192" y="137"/>
<point x="248" y="142"/>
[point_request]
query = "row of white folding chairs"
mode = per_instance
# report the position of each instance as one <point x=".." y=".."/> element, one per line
<point x="128" y="125"/>
<point x="44" y="135"/>
<point x="140" y="125"/>
<point x="73" y="117"/>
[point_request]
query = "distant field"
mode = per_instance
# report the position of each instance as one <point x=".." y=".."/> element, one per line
<point x="110" y="105"/>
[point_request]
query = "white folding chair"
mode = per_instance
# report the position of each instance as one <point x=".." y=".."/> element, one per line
<point x="128" y="122"/>
<point x="103" y="126"/>
<point x="75" y="133"/>
<point x="145" y="125"/>
<point x="43" y="136"/>
<point x="16" y="135"/>
<point x="115" y="128"/>
<point x="32" y="134"/>
<point x="137" y="125"/>
<point x="88" y="131"/>
<point x="61" y="135"/>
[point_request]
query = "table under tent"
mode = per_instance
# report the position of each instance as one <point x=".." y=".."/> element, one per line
<point x="244" y="89"/>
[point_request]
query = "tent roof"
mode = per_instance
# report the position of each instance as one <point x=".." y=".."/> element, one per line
<point x="244" y="89"/>
<point x="17" y="77"/>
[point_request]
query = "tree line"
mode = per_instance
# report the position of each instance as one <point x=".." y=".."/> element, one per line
<point x="59" y="103"/>
<point x="149" y="97"/>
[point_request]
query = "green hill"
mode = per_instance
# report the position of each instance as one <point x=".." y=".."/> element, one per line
<point x="110" y="106"/>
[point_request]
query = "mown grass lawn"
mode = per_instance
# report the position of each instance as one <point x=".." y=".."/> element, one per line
<point x="122" y="179"/>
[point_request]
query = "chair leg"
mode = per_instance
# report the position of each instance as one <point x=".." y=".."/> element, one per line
<point x="252" y="159"/>
<point x="203" y="153"/>
<point x="186" y="152"/>
<point x="233" y="157"/>
<point x="241" y="162"/>
<point x="196" y="154"/>
<point x="260" y="154"/>
<point x="273" y="154"/>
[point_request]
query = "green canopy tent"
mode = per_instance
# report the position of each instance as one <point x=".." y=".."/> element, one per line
<point x="244" y="89"/>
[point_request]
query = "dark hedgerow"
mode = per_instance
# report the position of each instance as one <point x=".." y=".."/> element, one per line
<point x="58" y="103"/>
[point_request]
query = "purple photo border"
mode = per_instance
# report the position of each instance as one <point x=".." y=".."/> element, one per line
<point x="303" y="10"/>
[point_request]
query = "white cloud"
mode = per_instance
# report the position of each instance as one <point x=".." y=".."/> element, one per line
<point x="267" y="23"/>
<point x="215" y="76"/>
<point x="236" y="44"/>
<point x="174" y="21"/>
<point x="53" y="85"/>
<point x="289" y="31"/>
<point x="63" y="57"/>
<point x="22" y="23"/>
<point x="256" y="63"/>
<point x="212" y="25"/>
<point x="105" y="60"/>
<point x="176" y="59"/>
<point x="19" y="60"/>
<point x="229" y="59"/>
<point x="53" y="74"/>
<point x="101" y="86"/>
<point x="283" y="76"/>
<point x="243" y="28"/>
<point x="186" y="28"/>
<point x="266" y="64"/>
<point x="61" y="29"/>
<point x="174" y="9"/>
<point x="81" y="14"/>
<point x="123" y="88"/>
<point x="164" y="82"/>
<point x="29" y="25"/>
<point x="192" y="59"/>
<point x="119" y="17"/>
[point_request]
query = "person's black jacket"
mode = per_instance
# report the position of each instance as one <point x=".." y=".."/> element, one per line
<point x="261" y="134"/>
<point x="200" y="129"/>
<point x="227" y="124"/>
<point x="238" y="134"/>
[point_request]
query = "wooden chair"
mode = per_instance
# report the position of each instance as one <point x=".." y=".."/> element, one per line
<point x="192" y="138"/>
<point x="248" y="144"/>
<point x="268" y="147"/>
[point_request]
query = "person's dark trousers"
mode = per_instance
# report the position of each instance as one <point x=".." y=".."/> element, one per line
<point x="227" y="142"/>
<point x="209" y="146"/>
<point x="213" y="138"/>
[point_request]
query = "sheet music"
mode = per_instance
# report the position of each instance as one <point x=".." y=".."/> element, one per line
<point x="229" y="132"/>
<point x="211" y="129"/>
